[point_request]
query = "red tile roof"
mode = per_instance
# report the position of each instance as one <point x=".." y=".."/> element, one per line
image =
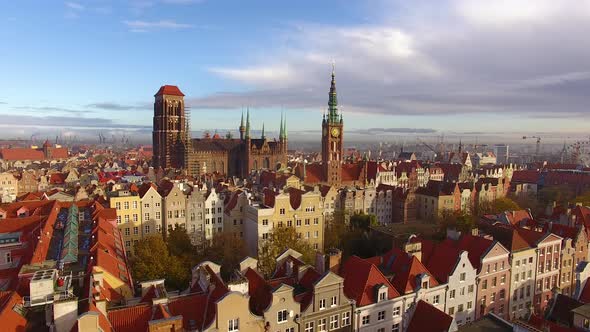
<point x="476" y="246"/>
<point x="360" y="280"/>
<point x="526" y="176"/>
<point x="22" y="154"/>
<point x="352" y="172"/>
<point x="427" y="318"/>
<point x="11" y="319"/>
<point x="171" y="90"/>
<point x="131" y="319"/>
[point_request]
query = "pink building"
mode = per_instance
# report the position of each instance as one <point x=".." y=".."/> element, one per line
<point x="491" y="260"/>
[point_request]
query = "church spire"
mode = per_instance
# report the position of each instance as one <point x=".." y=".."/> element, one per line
<point x="281" y="129"/>
<point x="248" y="123"/>
<point x="285" y="127"/>
<point x="263" y="136"/>
<point x="333" y="101"/>
<point x="242" y="128"/>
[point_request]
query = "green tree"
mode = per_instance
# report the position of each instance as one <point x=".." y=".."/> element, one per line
<point x="280" y="239"/>
<point x="505" y="204"/>
<point x="152" y="260"/>
<point x="228" y="250"/>
<point x="336" y="230"/>
<point x="561" y="194"/>
<point x="179" y="243"/>
<point x="363" y="221"/>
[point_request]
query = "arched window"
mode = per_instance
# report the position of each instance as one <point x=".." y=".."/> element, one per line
<point x="266" y="163"/>
<point x="256" y="164"/>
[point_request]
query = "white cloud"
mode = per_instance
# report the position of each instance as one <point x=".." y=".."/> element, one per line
<point x="446" y="59"/>
<point x="138" y="25"/>
<point x="279" y="74"/>
<point x="74" y="6"/>
<point x="501" y="12"/>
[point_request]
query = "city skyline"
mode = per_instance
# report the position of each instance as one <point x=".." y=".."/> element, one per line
<point x="428" y="68"/>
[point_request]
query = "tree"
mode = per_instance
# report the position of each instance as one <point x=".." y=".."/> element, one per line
<point x="505" y="204"/>
<point x="561" y="194"/>
<point x="280" y="239"/>
<point x="152" y="260"/>
<point x="179" y="243"/>
<point x="336" y="229"/>
<point x="228" y="250"/>
<point x="363" y="221"/>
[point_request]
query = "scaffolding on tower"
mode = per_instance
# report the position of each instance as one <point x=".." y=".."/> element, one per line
<point x="187" y="140"/>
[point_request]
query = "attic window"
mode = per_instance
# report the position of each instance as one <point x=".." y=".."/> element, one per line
<point x="382" y="294"/>
<point x="425" y="284"/>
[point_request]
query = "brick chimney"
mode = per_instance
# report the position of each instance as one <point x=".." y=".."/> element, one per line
<point x="334" y="259"/>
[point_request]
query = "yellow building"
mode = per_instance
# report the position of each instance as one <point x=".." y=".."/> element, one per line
<point x="128" y="206"/>
<point x="293" y="207"/>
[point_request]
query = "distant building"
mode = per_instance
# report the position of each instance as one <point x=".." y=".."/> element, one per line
<point x="173" y="147"/>
<point x="502" y="153"/>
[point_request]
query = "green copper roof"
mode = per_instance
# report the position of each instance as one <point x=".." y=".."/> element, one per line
<point x="333" y="101"/>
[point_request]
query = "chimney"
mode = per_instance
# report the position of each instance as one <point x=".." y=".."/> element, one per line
<point x="413" y="248"/>
<point x="334" y="259"/>
<point x="320" y="262"/>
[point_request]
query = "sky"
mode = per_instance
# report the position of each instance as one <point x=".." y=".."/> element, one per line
<point x="423" y="67"/>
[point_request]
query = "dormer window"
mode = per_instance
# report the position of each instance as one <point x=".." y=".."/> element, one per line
<point x="381" y="292"/>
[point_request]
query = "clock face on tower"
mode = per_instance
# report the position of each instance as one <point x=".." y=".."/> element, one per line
<point x="335" y="132"/>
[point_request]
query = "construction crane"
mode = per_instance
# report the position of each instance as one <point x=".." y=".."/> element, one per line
<point x="428" y="146"/>
<point x="538" y="146"/>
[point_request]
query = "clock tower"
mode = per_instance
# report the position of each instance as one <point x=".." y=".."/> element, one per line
<point x="332" y="138"/>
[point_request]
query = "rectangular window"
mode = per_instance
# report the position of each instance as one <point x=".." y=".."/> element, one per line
<point x="309" y="327"/>
<point x="366" y="320"/>
<point x="397" y="310"/>
<point x="452" y="294"/>
<point x="334" y="322"/>
<point x="395" y="327"/>
<point x="146" y="229"/>
<point x="334" y="301"/>
<point x="322" y="304"/>
<point x="322" y="325"/>
<point x="233" y="325"/>
<point x="462" y="277"/>
<point x="346" y="318"/>
<point x="451" y="311"/>
<point x="282" y="316"/>
<point x="381" y="315"/>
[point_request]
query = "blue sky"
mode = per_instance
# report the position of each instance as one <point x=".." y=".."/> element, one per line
<point x="448" y="66"/>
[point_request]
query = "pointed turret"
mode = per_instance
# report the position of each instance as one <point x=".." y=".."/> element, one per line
<point x="285" y="127"/>
<point x="333" y="100"/>
<point x="242" y="127"/>
<point x="281" y="127"/>
<point x="247" y="136"/>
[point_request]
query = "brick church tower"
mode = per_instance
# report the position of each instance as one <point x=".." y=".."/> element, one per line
<point x="169" y="131"/>
<point x="332" y="138"/>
